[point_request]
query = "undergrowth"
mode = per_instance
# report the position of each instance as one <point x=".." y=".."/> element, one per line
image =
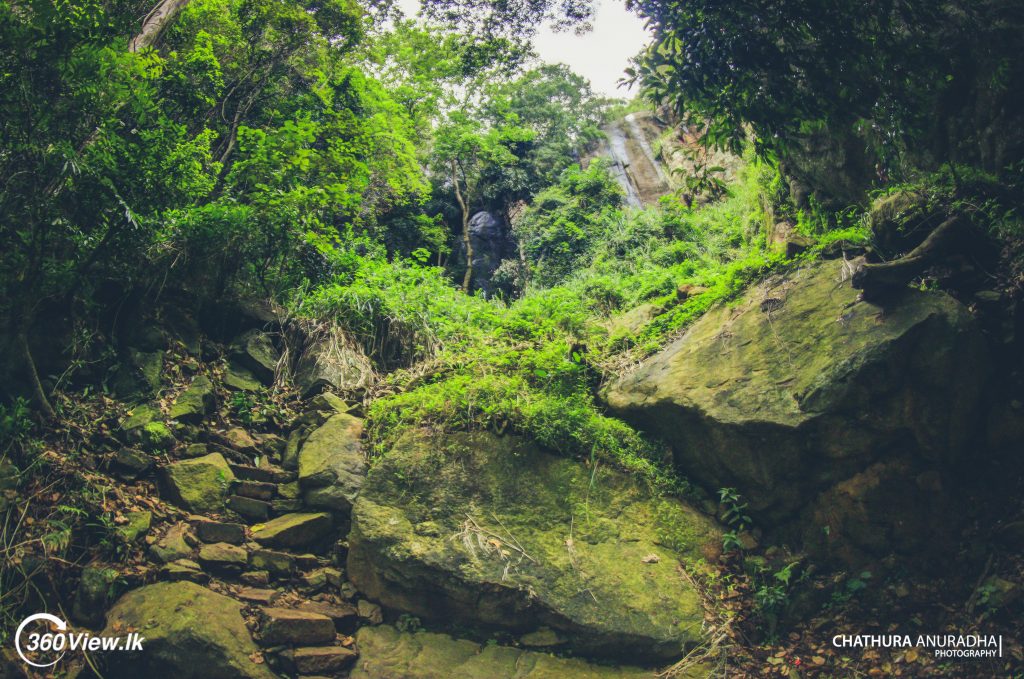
<point x="534" y="365"/>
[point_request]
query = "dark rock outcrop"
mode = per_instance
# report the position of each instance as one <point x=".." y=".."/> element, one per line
<point x="801" y="386"/>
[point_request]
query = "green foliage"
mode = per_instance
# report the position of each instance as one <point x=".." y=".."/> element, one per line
<point x="15" y="425"/>
<point x="734" y="515"/>
<point x="566" y="223"/>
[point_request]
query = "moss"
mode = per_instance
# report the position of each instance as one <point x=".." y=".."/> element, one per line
<point x="546" y="539"/>
<point x="156" y="436"/>
<point x="386" y="652"/>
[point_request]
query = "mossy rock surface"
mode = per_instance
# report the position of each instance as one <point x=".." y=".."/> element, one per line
<point x="332" y="460"/>
<point x="190" y="633"/>
<point x="199" y="485"/>
<point x="493" y="532"/>
<point x="195" y="402"/>
<point x="386" y="653"/>
<point x="255" y="351"/>
<point x="799" y="385"/>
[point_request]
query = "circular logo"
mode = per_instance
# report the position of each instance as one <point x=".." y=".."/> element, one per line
<point x="45" y="642"/>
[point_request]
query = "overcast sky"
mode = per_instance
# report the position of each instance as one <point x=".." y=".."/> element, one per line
<point x="601" y="55"/>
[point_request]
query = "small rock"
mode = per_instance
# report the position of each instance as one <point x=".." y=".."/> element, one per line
<point x="345" y="616"/>
<point x="304" y="562"/>
<point x="193" y="404"/>
<point x="199" y="485"/>
<point x="290" y="626"/>
<point x="314" y="581"/>
<point x="156" y="436"/>
<point x="184" y="569"/>
<point x="263" y="597"/>
<point x="172" y="546"/>
<point x="327" y="402"/>
<point x="322" y="659"/>
<point x="266" y="474"/>
<point x="257" y="490"/>
<point x="651" y="558"/>
<point x="254" y="510"/>
<point x="140" y="416"/>
<point x="290" y="456"/>
<point x="137" y="526"/>
<point x="93" y="595"/>
<point x="293" y="530"/>
<point x="278" y="563"/>
<point x="240" y="378"/>
<point x="217" y="531"/>
<point x="271" y="444"/>
<point x="255" y="351"/>
<point x="370" y="612"/>
<point x="130" y="464"/>
<point x="240" y="439"/>
<point x="334" y="576"/>
<point x="223" y="556"/>
<point x="997" y="593"/>
<point x="255" y="578"/>
<point x="195" y="450"/>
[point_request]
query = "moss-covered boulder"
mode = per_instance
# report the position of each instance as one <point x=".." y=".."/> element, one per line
<point x="195" y="402"/>
<point x="199" y="485"/>
<point x="386" y="653"/>
<point x="190" y="633"/>
<point x="331" y="463"/>
<point x="491" y="531"/>
<point x="800" y="385"/>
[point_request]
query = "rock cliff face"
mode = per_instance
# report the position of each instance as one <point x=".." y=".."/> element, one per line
<point x="491" y="531"/>
<point x="798" y="388"/>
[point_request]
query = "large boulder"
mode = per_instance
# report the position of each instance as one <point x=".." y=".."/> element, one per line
<point x="200" y="484"/>
<point x="190" y="632"/>
<point x="386" y="653"/>
<point x="331" y="463"/>
<point x="492" y="243"/>
<point x="493" y="532"/>
<point x="800" y="386"/>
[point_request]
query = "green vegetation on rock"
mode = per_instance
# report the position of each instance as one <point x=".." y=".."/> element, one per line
<point x="487" y="530"/>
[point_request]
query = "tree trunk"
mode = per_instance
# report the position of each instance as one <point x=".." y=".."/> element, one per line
<point x="155" y="22"/>
<point x="466" y="241"/>
<point x="33" y="377"/>
<point x="878" y="280"/>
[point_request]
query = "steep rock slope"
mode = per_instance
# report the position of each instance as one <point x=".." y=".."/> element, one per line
<point x="800" y="386"/>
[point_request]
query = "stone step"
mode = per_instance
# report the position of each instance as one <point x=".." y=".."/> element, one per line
<point x="266" y="474"/>
<point x="278" y="564"/>
<point x="254" y="510"/>
<point x="291" y="626"/>
<point x="217" y="531"/>
<point x="257" y="490"/>
<point x="255" y="595"/>
<point x="318" y="660"/>
<point x="294" y="530"/>
<point x="221" y="556"/>
<point x="344" y="615"/>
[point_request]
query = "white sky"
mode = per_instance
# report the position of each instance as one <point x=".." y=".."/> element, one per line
<point x="601" y="55"/>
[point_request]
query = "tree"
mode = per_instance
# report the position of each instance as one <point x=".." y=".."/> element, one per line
<point x="560" y="108"/>
<point x="464" y="150"/>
